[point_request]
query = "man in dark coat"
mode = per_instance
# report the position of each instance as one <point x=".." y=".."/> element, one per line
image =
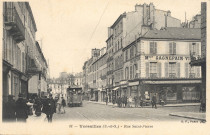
<point x="21" y="109"/>
<point x="49" y="108"/>
<point x="37" y="106"/>
<point x="154" y="100"/>
<point x="9" y="110"/>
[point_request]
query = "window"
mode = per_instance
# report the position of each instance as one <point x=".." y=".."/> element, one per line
<point x="172" y="69"/>
<point x="126" y="55"/>
<point x="153" y="47"/>
<point x="153" y="69"/>
<point x="131" y="52"/>
<point x="192" y="72"/>
<point x="194" y="49"/>
<point x="131" y="72"/>
<point x="172" y="48"/>
<point x="121" y="43"/>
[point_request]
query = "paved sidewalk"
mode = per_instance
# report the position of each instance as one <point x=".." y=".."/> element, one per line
<point x="167" y="105"/>
<point x="34" y="118"/>
<point x="191" y="115"/>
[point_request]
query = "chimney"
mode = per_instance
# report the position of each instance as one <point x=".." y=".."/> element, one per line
<point x="165" y="20"/>
<point x="168" y="13"/>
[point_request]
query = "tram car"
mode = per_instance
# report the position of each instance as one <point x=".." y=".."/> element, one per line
<point x="74" y="96"/>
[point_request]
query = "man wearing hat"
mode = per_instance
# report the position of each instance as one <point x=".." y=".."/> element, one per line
<point x="49" y="108"/>
<point x="21" y="109"/>
<point x="9" y="110"/>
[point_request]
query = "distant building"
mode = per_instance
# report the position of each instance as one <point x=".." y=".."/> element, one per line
<point x="196" y="22"/>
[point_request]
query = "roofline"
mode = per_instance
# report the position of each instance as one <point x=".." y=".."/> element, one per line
<point x="31" y="14"/>
<point x="37" y="44"/>
<point x="160" y="39"/>
<point x="118" y="19"/>
<point x="99" y="58"/>
<point x="109" y="37"/>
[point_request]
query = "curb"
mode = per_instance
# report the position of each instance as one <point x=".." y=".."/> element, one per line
<point x="189" y="117"/>
<point x="159" y="106"/>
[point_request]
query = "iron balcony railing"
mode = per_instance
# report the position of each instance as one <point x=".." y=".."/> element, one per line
<point x="14" y="24"/>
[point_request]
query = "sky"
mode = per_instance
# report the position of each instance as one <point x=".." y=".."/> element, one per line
<point x="69" y="29"/>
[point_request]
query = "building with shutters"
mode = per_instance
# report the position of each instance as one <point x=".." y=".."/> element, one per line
<point x="19" y="30"/>
<point x="125" y="30"/>
<point x="158" y="62"/>
<point x="24" y="65"/>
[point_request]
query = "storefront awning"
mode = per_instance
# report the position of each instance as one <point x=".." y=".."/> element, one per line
<point x="116" y="88"/>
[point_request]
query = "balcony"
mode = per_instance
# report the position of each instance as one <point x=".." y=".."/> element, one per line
<point x="14" y="24"/>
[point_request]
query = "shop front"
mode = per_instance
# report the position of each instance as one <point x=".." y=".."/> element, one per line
<point x="172" y="91"/>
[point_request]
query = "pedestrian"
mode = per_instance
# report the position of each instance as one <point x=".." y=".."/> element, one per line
<point x="37" y="106"/>
<point x="136" y="101"/>
<point x="106" y="100"/>
<point x="59" y="103"/>
<point x="9" y="110"/>
<point x="114" y="101"/>
<point x="125" y="100"/>
<point x="21" y="109"/>
<point x="130" y="101"/>
<point x="141" y="101"/>
<point x="63" y="104"/>
<point x="154" y="100"/>
<point x="120" y="102"/>
<point x="49" y="108"/>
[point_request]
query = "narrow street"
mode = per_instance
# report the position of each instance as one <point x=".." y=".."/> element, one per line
<point x="97" y="112"/>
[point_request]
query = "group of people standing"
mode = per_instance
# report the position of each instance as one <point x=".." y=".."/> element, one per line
<point x="125" y="101"/>
<point x="18" y="111"/>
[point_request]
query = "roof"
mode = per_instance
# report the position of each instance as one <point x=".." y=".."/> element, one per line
<point x="41" y="53"/>
<point x="31" y="14"/>
<point x="174" y="33"/>
<point x="118" y="19"/>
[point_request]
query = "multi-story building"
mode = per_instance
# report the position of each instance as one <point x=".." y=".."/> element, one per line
<point x="158" y="63"/>
<point x="110" y="63"/>
<point x="78" y="79"/>
<point x="19" y="30"/>
<point x="38" y="74"/>
<point x="128" y="27"/>
<point x="202" y="60"/>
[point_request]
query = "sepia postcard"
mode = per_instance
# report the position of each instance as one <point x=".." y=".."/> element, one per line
<point x="104" y="67"/>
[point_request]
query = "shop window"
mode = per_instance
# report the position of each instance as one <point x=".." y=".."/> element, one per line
<point x="172" y="48"/>
<point x="169" y="93"/>
<point x="172" y="69"/>
<point x="190" y="93"/>
<point x="153" y="47"/>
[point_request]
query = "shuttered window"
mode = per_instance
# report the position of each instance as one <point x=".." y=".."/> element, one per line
<point x="147" y="69"/>
<point x="172" y="69"/>
<point x="194" y="48"/>
<point x="159" y="69"/>
<point x="131" y="72"/>
<point x="172" y="48"/>
<point x="153" y="69"/>
<point x="198" y="72"/>
<point x="178" y="69"/>
<point x="166" y="69"/>
<point x="153" y="47"/>
<point x="186" y="70"/>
